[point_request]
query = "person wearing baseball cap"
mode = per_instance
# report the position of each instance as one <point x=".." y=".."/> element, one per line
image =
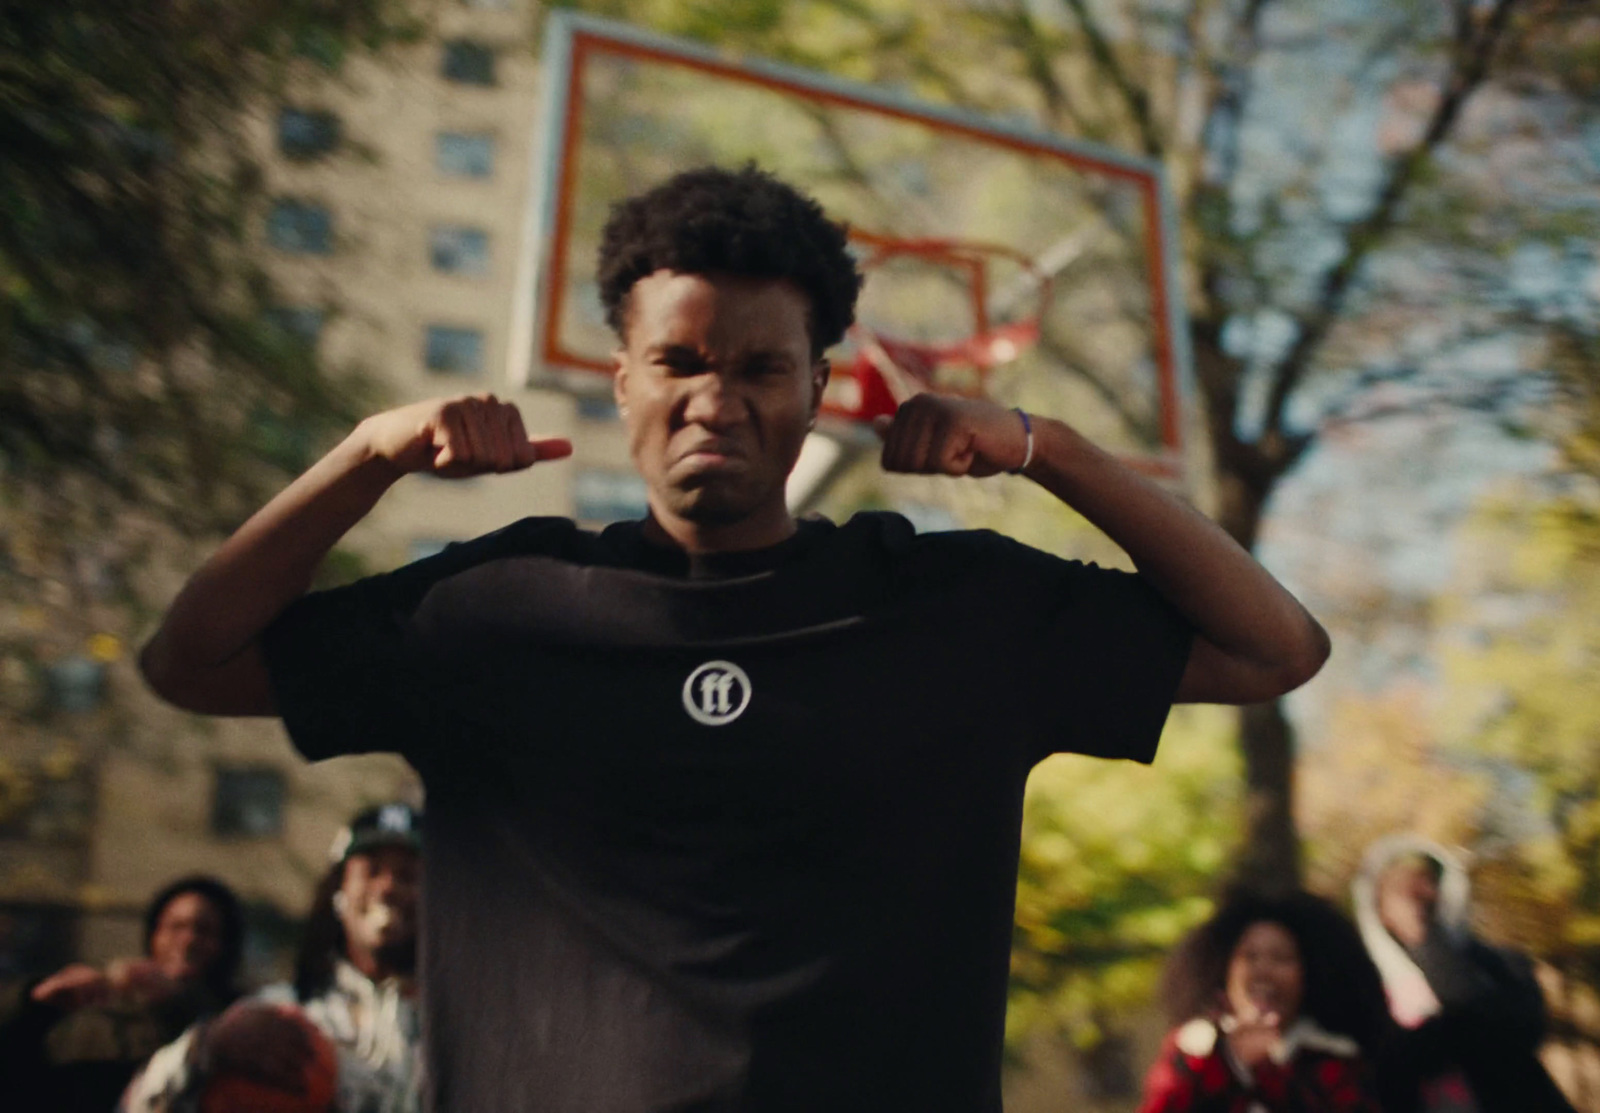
<point x="354" y="979"/>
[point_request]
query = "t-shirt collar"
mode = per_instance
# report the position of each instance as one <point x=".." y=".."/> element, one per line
<point x="628" y="542"/>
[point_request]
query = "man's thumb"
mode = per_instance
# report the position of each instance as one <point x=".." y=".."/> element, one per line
<point x="550" y="448"/>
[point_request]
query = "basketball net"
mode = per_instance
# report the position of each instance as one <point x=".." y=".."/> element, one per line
<point x="885" y="371"/>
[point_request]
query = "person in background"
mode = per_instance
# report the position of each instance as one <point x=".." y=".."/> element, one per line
<point x="1275" y="1008"/>
<point x="1471" y="1016"/>
<point x="353" y="978"/>
<point x="72" y="1040"/>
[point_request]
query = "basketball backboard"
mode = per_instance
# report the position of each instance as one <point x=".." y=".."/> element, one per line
<point x="1000" y="260"/>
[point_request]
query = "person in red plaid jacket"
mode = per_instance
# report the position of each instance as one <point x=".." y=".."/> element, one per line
<point x="1277" y="1009"/>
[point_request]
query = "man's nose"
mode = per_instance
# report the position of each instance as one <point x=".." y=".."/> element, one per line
<point x="713" y="400"/>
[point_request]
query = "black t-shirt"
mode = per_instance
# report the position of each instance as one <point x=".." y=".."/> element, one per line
<point x="725" y="833"/>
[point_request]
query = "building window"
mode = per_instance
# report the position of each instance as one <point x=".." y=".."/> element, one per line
<point x="248" y="802"/>
<point x="464" y="156"/>
<point x="597" y="407"/>
<point x="300" y="227"/>
<point x="608" y="496"/>
<point x="454" y="351"/>
<point x="299" y="324"/>
<point x="307" y="135"/>
<point x="468" y="63"/>
<point x="456" y="249"/>
<point x="50" y="801"/>
<point x="35" y="939"/>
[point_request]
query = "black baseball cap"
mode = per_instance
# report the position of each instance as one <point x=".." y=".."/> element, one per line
<point x="393" y="824"/>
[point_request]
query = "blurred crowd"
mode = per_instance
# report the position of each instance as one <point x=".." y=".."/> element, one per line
<point x="1286" y="1006"/>
<point x="1277" y="1005"/>
<point x="172" y="1030"/>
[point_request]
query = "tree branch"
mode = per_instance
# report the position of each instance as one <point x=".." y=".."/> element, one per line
<point x="1233" y="81"/>
<point x="1133" y="96"/>
<point x="1474" y="52"/>
<point x="1037" y="62"/>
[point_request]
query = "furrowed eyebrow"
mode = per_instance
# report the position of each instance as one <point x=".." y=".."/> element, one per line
<point x="769" y="355"/>
<point x="681" y="350"/>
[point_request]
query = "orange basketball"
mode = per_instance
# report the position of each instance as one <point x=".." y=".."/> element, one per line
<point x="231" y="1093"/>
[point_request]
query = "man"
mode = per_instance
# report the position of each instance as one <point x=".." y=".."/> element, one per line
<point x="724" y="807"/>
<point x="353" y="980"/>
<point x="1471" y="1016"/>
<point x="71" y="1041"/>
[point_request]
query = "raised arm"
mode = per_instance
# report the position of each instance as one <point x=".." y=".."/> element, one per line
<point x="206" y="655"/>
<point x="1254" y="641"/>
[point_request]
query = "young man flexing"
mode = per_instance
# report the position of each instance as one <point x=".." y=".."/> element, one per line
<point x="724" y="807"/>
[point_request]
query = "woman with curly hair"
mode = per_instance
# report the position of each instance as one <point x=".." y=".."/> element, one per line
<point x="1276" y="1009"/>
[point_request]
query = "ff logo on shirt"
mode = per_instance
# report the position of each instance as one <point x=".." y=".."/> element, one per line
<point x="716" y="693"/>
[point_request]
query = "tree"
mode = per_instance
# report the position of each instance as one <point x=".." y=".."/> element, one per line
<point x="1117" y="863"/>
<point x="1522" y="670"/>
<point x="135" y="355"/>
<point x="148" y="397"/>
<point x="1351" y="178"/>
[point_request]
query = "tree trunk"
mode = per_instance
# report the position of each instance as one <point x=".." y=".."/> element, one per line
<point x="1269" y="860"/>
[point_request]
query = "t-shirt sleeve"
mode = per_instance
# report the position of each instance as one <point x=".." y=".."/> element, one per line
<point x="344" y="675"/>
<point x="1099" y="655"/>
<point x="349" y="672"/>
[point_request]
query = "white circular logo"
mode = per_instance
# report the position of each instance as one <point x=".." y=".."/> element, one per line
<point x="716" y="693"/>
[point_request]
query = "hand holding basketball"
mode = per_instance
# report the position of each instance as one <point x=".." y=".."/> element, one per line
<point x="933" y="434"/>
<point x="454" y="438"/>
<point x="267" y="1058"/>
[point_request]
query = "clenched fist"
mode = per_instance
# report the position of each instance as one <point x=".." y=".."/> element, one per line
<point x="934" y="434"/>
<point x="458" y="437"/>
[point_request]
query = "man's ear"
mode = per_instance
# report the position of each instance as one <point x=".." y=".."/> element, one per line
<point x="821" y="370"/>
<point x="619" y="379"/>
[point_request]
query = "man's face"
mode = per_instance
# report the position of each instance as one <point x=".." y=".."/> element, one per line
<point x="187" y="938"/>
<point x="1408" y="899"/>
<point x="379" y="905"/>
<point x="718" y="388"/>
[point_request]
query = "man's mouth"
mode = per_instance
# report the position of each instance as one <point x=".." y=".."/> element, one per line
<point x="710" y="455"/>
<point x="379" y="918"/>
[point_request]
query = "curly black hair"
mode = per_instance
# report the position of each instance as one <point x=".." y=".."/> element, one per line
<point x="222" y="977"/>
<point x="1342" y="989"/>
<point x="742" y="222"/>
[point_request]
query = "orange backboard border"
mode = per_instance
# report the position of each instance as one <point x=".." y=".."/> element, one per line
<point x="573" y="39"/>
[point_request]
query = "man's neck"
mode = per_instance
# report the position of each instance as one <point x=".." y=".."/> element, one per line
<point x="746" y="535"/>
<point x="371" y="966"/>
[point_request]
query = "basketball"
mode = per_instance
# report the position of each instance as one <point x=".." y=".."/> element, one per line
<point x="233" y="1093"/>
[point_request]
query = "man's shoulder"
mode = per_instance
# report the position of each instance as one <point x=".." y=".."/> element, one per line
<point x="537" y="536"/>
<point x="943" y="553"/>
<point x="895" y="533"/>
<point x="557" y="538"/>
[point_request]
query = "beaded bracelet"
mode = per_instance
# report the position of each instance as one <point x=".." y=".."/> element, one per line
<point x="1027" y="427"/>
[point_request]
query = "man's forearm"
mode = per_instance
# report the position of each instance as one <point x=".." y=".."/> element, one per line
<point x="267" y="564"/>
<point x="205" y="657"/>
<point x="1234" y="603"/>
